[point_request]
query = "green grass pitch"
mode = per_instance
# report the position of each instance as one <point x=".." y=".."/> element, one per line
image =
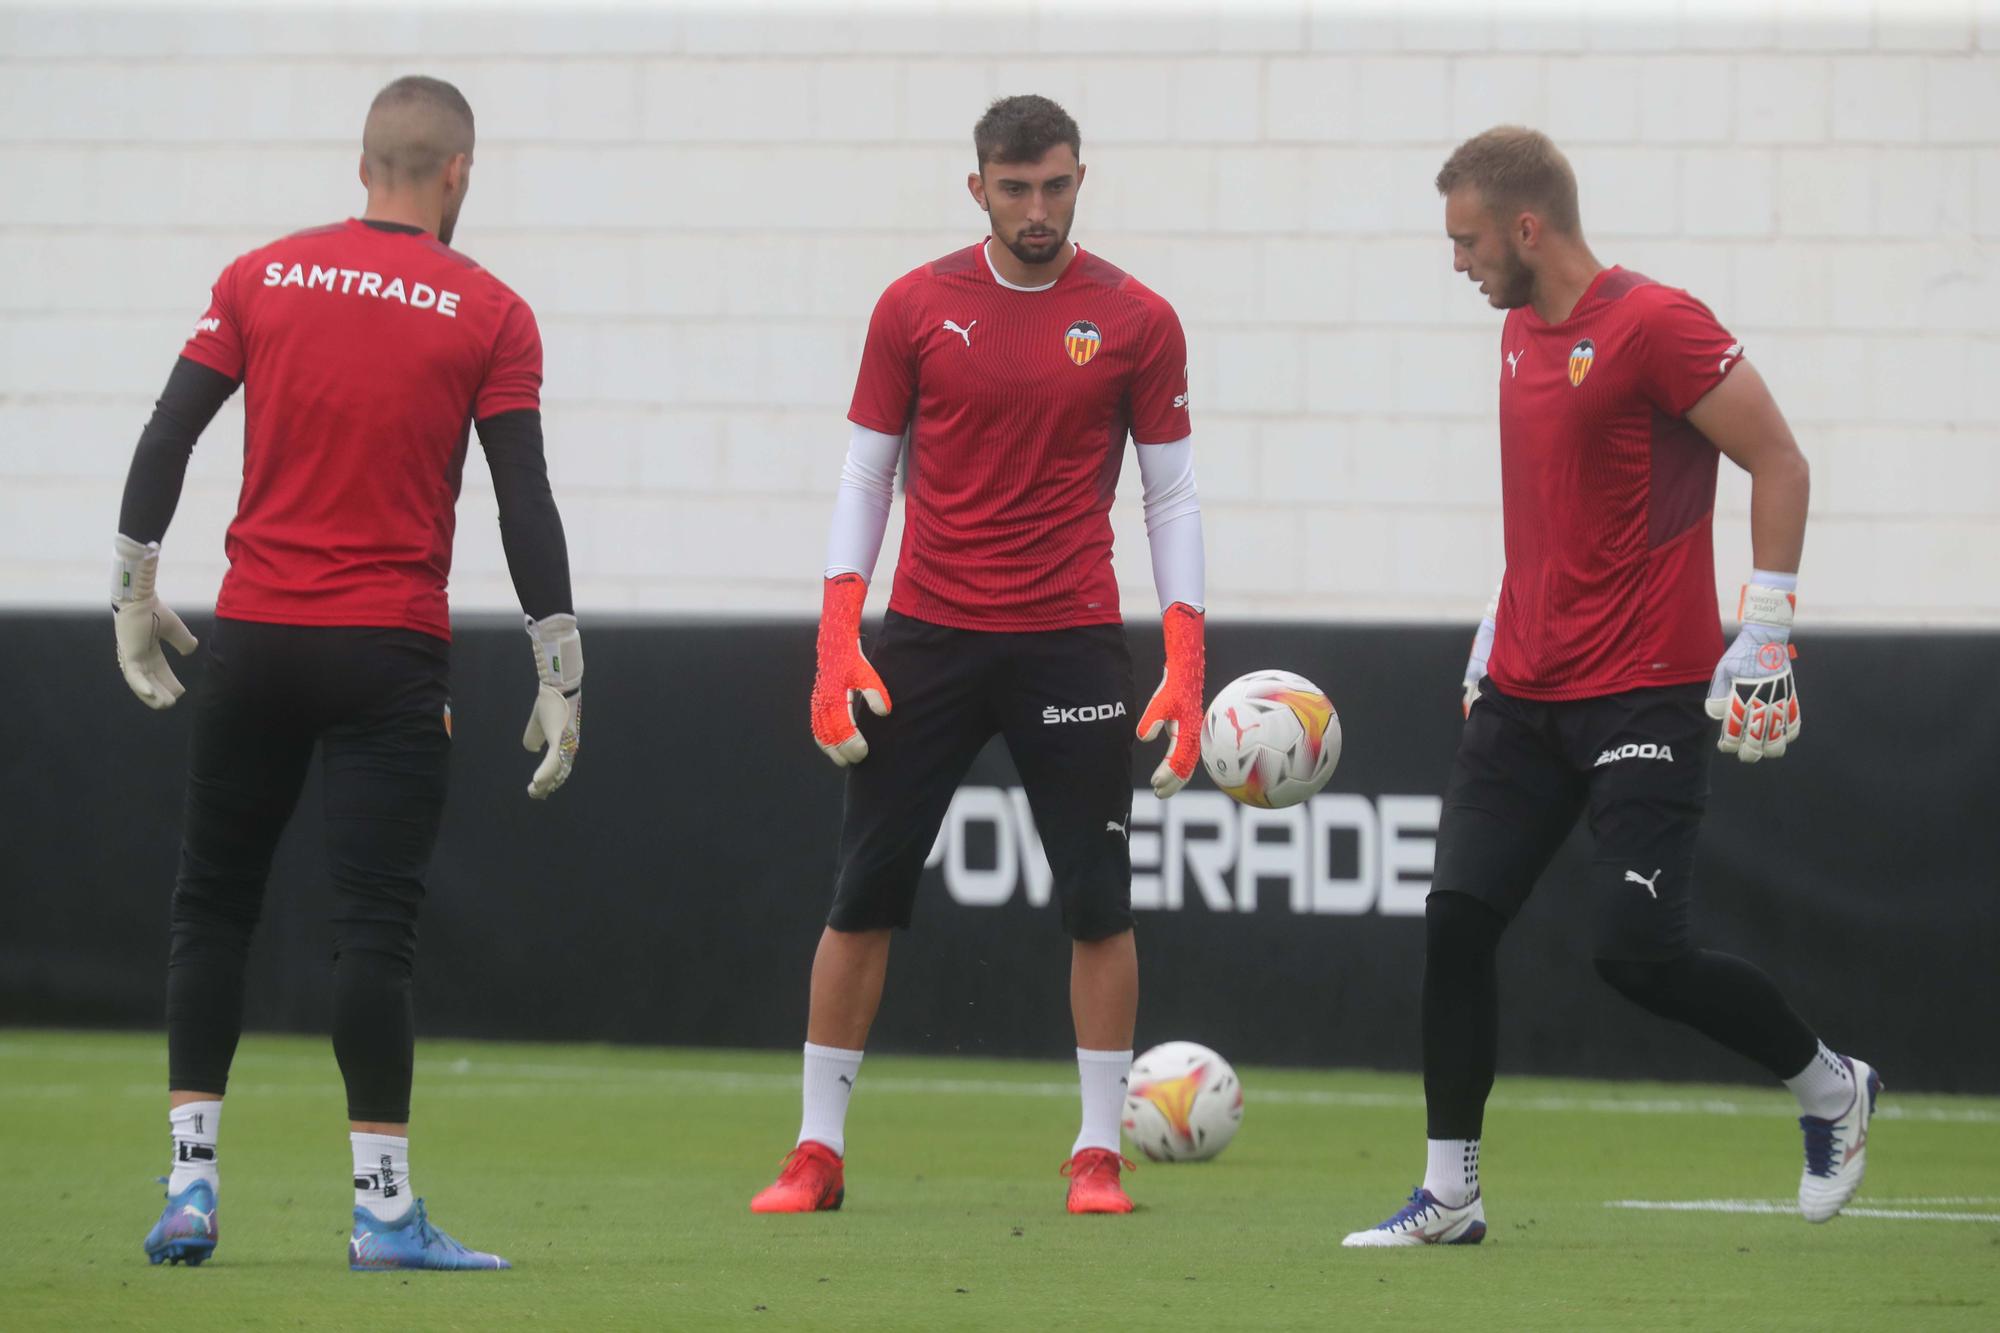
<point x="617" y="1181"/>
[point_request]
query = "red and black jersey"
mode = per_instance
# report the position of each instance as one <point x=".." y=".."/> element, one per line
<point x="365" y="354"/>
<point x="1017" y="404"/>
<point x="1609" y="493"/>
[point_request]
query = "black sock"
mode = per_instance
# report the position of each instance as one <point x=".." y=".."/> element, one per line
<point x="1461" y="1012"/>
<point x="1721" y="997"/>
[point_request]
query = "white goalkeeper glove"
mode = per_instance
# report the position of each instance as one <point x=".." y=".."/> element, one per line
<point x="1752" y="693"/>
<point x="141" y="623"/>
<point x="557" y="721"/>
<point x="1482" y="648"/>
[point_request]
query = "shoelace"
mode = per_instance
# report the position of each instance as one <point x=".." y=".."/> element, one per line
<point x="795" y="1161"/>
<point x="1819" y="1145"/>
<point x="1093" y="1162"/>
<point x="1415" y="1207"/>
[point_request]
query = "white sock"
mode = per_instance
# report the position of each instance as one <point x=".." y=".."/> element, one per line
<point x="829" y="1082"/>
<point x="1451" y="1171"/>
<point x="382" y="1175"/>
<point x="194" y="1127"/>
<point x="1103" y="1076"/>
<point x="1825" y="1087"/>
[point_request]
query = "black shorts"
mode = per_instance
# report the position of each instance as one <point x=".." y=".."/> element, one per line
<point x="1063" y="700"/>
<point x="1636" y="763"/>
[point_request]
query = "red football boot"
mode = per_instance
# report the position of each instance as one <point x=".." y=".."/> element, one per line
<point x="1093" y="1182"/>
<point x="812" y="1181"/>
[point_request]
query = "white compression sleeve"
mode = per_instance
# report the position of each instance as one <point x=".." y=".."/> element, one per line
<point x="861" y="506"/>
<point x="1173" y="522"/>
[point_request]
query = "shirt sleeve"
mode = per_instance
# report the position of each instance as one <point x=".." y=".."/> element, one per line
<point x="217" y="340"/>
<point x="885" y="388"/>
<point x="1687" y="352"/>
<point x="513" y="380"/>
<point x="1158" y="397"/>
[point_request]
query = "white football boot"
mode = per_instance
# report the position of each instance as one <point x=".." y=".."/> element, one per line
<point x="1425" y="1221"/>
<point x="1837" y="1149"/>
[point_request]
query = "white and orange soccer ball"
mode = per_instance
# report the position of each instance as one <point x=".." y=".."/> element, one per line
<point x="1183" y="1103"/>
<point x="1271" y="739"/>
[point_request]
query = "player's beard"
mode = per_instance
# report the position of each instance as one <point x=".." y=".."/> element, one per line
<point x="449" y="223"/>
<point x="1039" y="249"/>
<point x="1513" y="284"/>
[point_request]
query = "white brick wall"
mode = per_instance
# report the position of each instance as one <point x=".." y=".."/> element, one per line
<point x="702" y="204"/>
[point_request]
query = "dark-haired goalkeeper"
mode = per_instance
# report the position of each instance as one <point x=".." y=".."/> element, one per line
<point x="1008" y="374"/>
<point x="366" y="349"/>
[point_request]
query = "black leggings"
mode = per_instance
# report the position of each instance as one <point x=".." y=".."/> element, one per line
<point x="1716" y="994"/>
<point x="375" y="701"/>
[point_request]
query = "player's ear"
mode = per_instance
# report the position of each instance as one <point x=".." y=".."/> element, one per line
<point x="458" y="174"/>
<point x="365" y="184"/>
<point x="975" y="185"/>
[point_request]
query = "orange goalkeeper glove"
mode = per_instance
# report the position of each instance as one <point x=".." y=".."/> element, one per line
<point x="1176" y="705"/>
<point x="842" y="670"/>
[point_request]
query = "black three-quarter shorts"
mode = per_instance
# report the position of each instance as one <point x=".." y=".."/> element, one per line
<point x="1635" y="763"/>
<point x="1063" y="700"/>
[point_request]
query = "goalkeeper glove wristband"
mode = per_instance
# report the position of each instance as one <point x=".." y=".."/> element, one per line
<point x="141" y="624"/>
<point x="1752" y="693"/>
<point x="557" y="721"/>
<point x="1176" y="705"/>
<point x="843" y="669"/>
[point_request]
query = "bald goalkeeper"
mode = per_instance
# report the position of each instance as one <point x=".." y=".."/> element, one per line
<point x="365" y="349"/>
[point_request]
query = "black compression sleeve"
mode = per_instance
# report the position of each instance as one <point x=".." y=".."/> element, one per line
<point x="194" y="394"/>
<point x="531" y="531"/>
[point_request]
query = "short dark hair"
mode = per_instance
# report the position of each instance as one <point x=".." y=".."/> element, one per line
<point x="1514" y="167"/>
<point x="1021" y="129"/>
<point x="415" y="125"/>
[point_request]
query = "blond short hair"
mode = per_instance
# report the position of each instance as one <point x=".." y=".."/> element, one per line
<point x="1516" y="168"/>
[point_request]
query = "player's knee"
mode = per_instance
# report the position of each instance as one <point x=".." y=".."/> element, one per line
<point x="1459" y="929"/>
<point x="376" y="946"/>
<point x="1644" y="981"/>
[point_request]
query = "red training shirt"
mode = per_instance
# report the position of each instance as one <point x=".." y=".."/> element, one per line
<point x="365" y="355"/>
<point x="1017" y="405"/>
<point x="1608" y="493"/>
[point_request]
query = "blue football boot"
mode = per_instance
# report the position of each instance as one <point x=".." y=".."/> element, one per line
<point x="409" y="1242"/>
<point x="187" y="1230"/>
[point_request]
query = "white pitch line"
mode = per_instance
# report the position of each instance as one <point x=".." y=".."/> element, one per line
<point x="1790" y="1208"/>
<point x="751" y="1081"/>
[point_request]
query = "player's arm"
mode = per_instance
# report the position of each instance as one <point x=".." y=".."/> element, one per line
<point x="531" y="535"/>
<point x="853" y="545"/>
<point x="194" y="394"/>
<point x="1482" y="648"/>
<point x="1173" y="534"/>
<point x="1157" y="403"/>
<point x="508" y="412"/>
<point x="884" y="398"/>
<point x="1752" y="691"/>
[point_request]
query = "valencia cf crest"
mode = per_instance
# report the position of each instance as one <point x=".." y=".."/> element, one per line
<point x="1580" y="357"/>
<point x="1081" y="340"/>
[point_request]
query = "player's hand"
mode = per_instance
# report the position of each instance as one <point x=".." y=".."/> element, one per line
<point x="841" y="671"/>
<point x="557" y="721"/>
<point x="1176" y="705"/>
<point x="142" y="624"/>
<point x="1752" y="693"/>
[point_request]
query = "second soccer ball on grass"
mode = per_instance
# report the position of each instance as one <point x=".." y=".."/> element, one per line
<point x="1183" y="1103"/>
<point x="1271" y="739"/>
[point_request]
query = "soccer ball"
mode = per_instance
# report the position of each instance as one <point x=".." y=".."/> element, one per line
<point x="1270" y="739"/>
<point x="1182" y="1103"/>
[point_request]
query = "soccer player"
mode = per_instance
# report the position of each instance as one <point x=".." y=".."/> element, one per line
<point x="365" y="349"/>
<point x="1595" y="673"/>
<point x="1006" y="375"/>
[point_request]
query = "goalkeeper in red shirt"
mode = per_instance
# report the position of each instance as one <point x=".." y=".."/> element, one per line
<point x="1006" y="377"/>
